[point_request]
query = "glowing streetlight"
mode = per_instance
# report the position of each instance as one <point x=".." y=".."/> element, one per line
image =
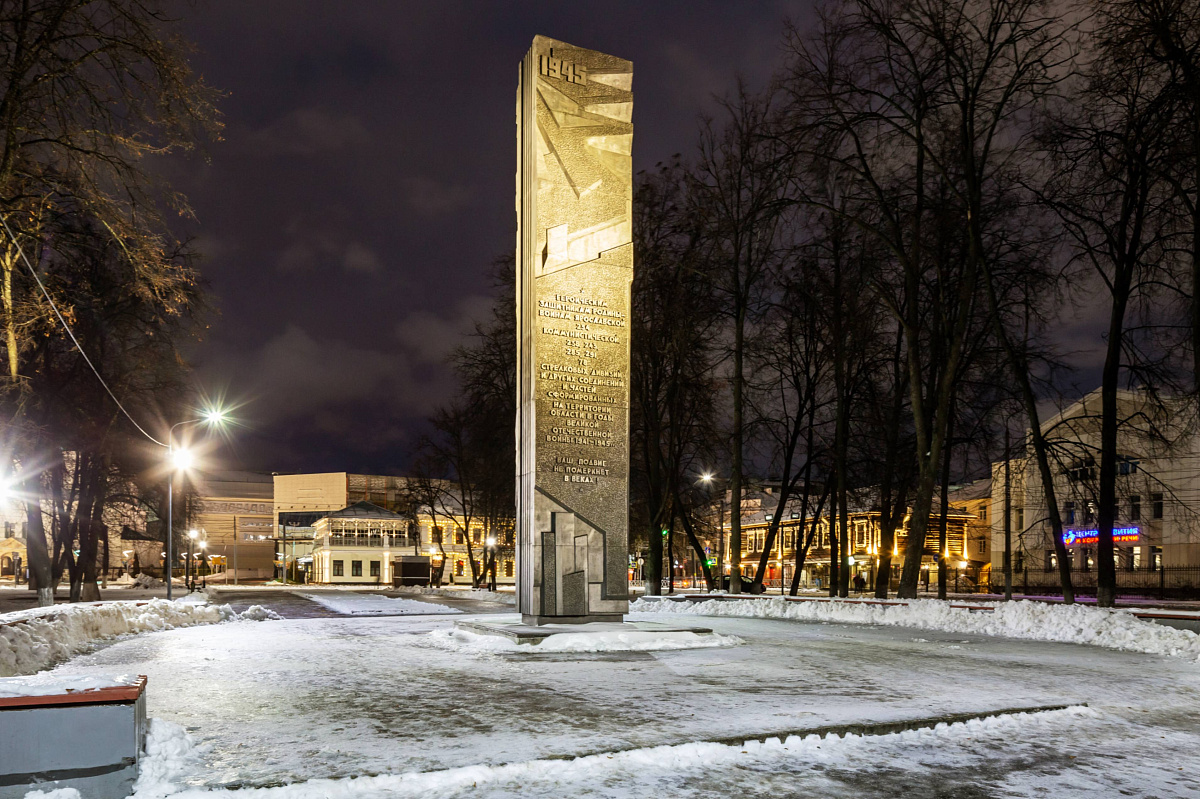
<point x="6" y="492"/>
<point x="491" y="541"/>
<point x="180" y="460"/>
<point x="707" y="477"/>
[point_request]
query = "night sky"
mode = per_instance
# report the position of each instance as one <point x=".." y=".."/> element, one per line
<point x="364" y="184"/>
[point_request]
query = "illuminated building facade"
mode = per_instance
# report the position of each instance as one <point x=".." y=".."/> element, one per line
<point x="1157" y="528"/>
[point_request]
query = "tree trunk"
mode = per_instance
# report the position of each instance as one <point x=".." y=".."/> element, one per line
<point x="943" y="561"/>
<point x="735" y="476"/>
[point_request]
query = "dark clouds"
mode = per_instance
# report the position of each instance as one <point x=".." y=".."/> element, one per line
<point x="364" y="184"/>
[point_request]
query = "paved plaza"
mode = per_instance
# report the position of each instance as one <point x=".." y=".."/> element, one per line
<point x="316" y="696"/>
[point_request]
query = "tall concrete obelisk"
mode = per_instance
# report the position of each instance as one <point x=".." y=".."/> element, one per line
<point x="574" y="270"/>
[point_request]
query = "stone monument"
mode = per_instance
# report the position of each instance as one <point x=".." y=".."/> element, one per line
<point x="574" y="269"/>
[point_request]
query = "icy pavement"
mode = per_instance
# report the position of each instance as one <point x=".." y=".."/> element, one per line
<point x="333" y="698"/>
<point x="349" y="603"/>
<point x="1037" y="754"/>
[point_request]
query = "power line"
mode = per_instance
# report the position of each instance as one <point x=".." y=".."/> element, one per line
<point x="21" y="252"/>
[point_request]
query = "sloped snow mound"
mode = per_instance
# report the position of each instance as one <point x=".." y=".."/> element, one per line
<point x="1038" y="621"/>
<point x="258" y="613"/>
<point x="498" y="597"/>
<point x="633" y="641"/>
<point x="32" y="640"/>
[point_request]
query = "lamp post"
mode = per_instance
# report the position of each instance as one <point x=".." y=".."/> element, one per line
<point x="203" y="546"/>
<point x="180" y="460"/>
<point x="491" y="545"/>
<point x="708" y="479"/>
<point x="192" y="534"/>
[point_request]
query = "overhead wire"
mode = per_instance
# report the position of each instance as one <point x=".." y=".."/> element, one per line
<point x="33" y="273"/>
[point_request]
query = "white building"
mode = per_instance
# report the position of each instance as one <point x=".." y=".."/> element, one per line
<point x="1158" y="491"/>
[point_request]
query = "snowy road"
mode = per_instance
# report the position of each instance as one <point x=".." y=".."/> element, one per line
<point x="332" y="698"/>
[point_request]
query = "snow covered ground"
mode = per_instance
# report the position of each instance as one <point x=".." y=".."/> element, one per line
<point x="353" y="604"/>
<point x="591" y="641"/>
<point x="505" y="596"/>
<point x="374" y="707"/>
<point x="1000" y="756"/>
<point x="34" y="639"/>
<point x="1080" y="624"/>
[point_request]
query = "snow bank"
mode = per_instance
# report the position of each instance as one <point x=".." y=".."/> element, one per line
<point x="633" y="641"/>
<point x="498" y="597"/>
<point x="46" y="684"/>
<point x="350" y="604"/>
<point x="168" y="748"/>
<point x="1038" y="621"/>
<point x="32" y="640"/>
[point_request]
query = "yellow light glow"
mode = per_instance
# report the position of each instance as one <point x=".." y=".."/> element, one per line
<point x="182" y="459"/>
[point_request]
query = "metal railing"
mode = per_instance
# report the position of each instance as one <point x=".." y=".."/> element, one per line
<point x="1168" y="582"/>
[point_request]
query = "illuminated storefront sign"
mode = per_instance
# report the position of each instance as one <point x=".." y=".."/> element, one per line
<point x="1121" y="535"/>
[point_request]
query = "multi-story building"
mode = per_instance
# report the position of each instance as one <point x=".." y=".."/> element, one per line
<point x="233" y="516"/>
<point x="438" y="530"/>
<point x="759" y="508"/>
<point x="1158" y="488"/>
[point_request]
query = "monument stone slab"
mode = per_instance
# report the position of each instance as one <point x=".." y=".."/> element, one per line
<point x="574" y="265"/>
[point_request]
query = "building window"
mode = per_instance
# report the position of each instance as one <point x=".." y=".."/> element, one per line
<point x="1051" y="560"/>
<point x="477" y="536"/>
<point x="435" y="535"/>
<point x="337" y="568"/>
<point x="374" y="568"/>
<point x="1155" y="558"/>
<point x="1020" y="518"/>
<point x="1135" y="508"/>
<point x="508" y="568"/>
<point x="1070" y="513"/>
<point x="1018" y="561"/>
<point x="356" y="568"/>
<point x="458" y="536"/>
<point x="1085" y="559"/>
<point x="1157" y="501"/>
<point x="983" y="513"/>
<point x="458" y="568"/>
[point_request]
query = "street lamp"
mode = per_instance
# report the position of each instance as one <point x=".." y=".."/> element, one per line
<point x="200" y="557"/>
<point x="192" y="535"/>
<point x="181" y="459"/>
<point x="707" y="478"/>
<point x="491" y="545"/>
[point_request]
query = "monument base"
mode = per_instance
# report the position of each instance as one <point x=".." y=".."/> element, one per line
<point x="524" y="633"/>
<point x="534" y="620"/>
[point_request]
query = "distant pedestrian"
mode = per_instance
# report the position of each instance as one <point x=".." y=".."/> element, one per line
<point x="860" y="583"/>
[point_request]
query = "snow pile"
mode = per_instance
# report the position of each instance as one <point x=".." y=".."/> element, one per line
<point x="644" y="771"/>
<point x="613" y="641"/>
<point x="351" y="604"/>
<point x="57" y="793"/>
<point x="46" y="684"/>
<point x="169" y="753"/>
<point x="259" y="613"/>
<point x="1038" y="621"/>
<point x="498" y="597"/>
<point x="32" y="640"/>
